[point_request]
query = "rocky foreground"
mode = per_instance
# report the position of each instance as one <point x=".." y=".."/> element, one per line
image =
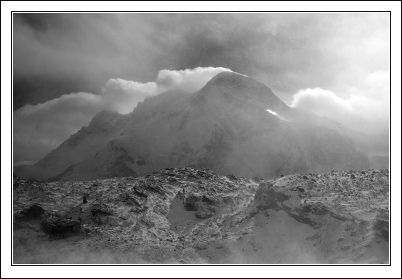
<point x="189" y="216"/>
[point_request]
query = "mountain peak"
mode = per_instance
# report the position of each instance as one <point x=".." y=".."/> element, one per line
<point x="232" y="85"/>
<point x="232" y="79"/>
<point x="234" y="124"/>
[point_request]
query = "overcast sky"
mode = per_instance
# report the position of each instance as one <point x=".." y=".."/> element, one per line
<point x="67" y="67"/>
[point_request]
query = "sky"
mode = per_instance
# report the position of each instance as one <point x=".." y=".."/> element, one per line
<point x="68" y="67"/>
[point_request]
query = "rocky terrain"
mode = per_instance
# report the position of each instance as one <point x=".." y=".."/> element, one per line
<point x="194" y="216"/>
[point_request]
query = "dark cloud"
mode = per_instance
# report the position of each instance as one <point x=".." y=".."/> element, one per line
<point x="55" y="54"/>
<point x="62" y="53"/>
<point x="322" y="58"/>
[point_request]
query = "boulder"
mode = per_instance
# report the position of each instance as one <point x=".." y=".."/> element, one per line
<point x="58" y="225"/>
<point x="35" y="211"/>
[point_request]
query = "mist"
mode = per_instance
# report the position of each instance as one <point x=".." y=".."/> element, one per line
<point x="46" y="125"/>
<point x="68" y="67"/>
<point x="56" y="54"/>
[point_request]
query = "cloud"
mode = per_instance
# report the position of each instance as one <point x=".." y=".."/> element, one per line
<point x="189" y="80"/>
<point x="322" y="102"/>
<point x="365" y="109"/>
<point x="123" y="95"/>
<point x="55" y="54"/>
<point x="113" y="56"/>
<point x="39" y="128"/>
<point x="42" y="127"/>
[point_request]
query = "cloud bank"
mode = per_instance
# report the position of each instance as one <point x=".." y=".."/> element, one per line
<point x="42" y="127"/>
<point x="337" y="64"/>
<point x="366" y="109"/>
<point x="55" y="54"/>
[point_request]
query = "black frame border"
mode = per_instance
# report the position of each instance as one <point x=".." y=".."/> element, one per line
<point x="195" y="12"/>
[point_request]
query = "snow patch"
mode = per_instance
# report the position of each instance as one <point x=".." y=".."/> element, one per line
<point x="276" y="114"/>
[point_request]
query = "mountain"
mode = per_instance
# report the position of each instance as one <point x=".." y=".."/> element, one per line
<point x="194" y="216"/>
<point x="234" y="124"/>
<point x="103" y="128"/>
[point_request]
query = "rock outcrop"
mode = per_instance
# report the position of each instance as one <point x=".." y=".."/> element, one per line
<point x="196" y="216"/>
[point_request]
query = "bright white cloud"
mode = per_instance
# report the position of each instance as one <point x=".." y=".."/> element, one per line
<point x="42" y="127"/>
<point x="189" y="80"/>
<point x="320" y="101"/>
<point x="365" y="109"/>
<point x="123" y="95"/>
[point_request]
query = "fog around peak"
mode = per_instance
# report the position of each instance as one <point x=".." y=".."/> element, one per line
<point x="45" y="125"/>
<point x="334" y="65"/>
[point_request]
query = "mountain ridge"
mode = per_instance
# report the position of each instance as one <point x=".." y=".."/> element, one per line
<point x="234" y="124"/>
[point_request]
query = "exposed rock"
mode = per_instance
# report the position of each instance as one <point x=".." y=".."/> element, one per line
<point x="34" y="211"/>
<point x="57" y="225"/>
<point x="187" y="215"/>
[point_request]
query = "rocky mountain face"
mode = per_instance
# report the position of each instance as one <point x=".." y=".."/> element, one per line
<point x="234" y="124"/>
<point x="186" y="215"/>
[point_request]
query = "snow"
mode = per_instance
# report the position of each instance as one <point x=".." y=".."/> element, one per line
<point x="276" y="114"/>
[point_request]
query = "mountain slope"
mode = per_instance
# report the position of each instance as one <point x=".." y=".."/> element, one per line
<point x="234" y="124"/>
<point x="86" y="142"/>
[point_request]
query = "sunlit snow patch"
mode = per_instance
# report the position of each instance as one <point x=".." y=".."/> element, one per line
<point x="277" y="115"/>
